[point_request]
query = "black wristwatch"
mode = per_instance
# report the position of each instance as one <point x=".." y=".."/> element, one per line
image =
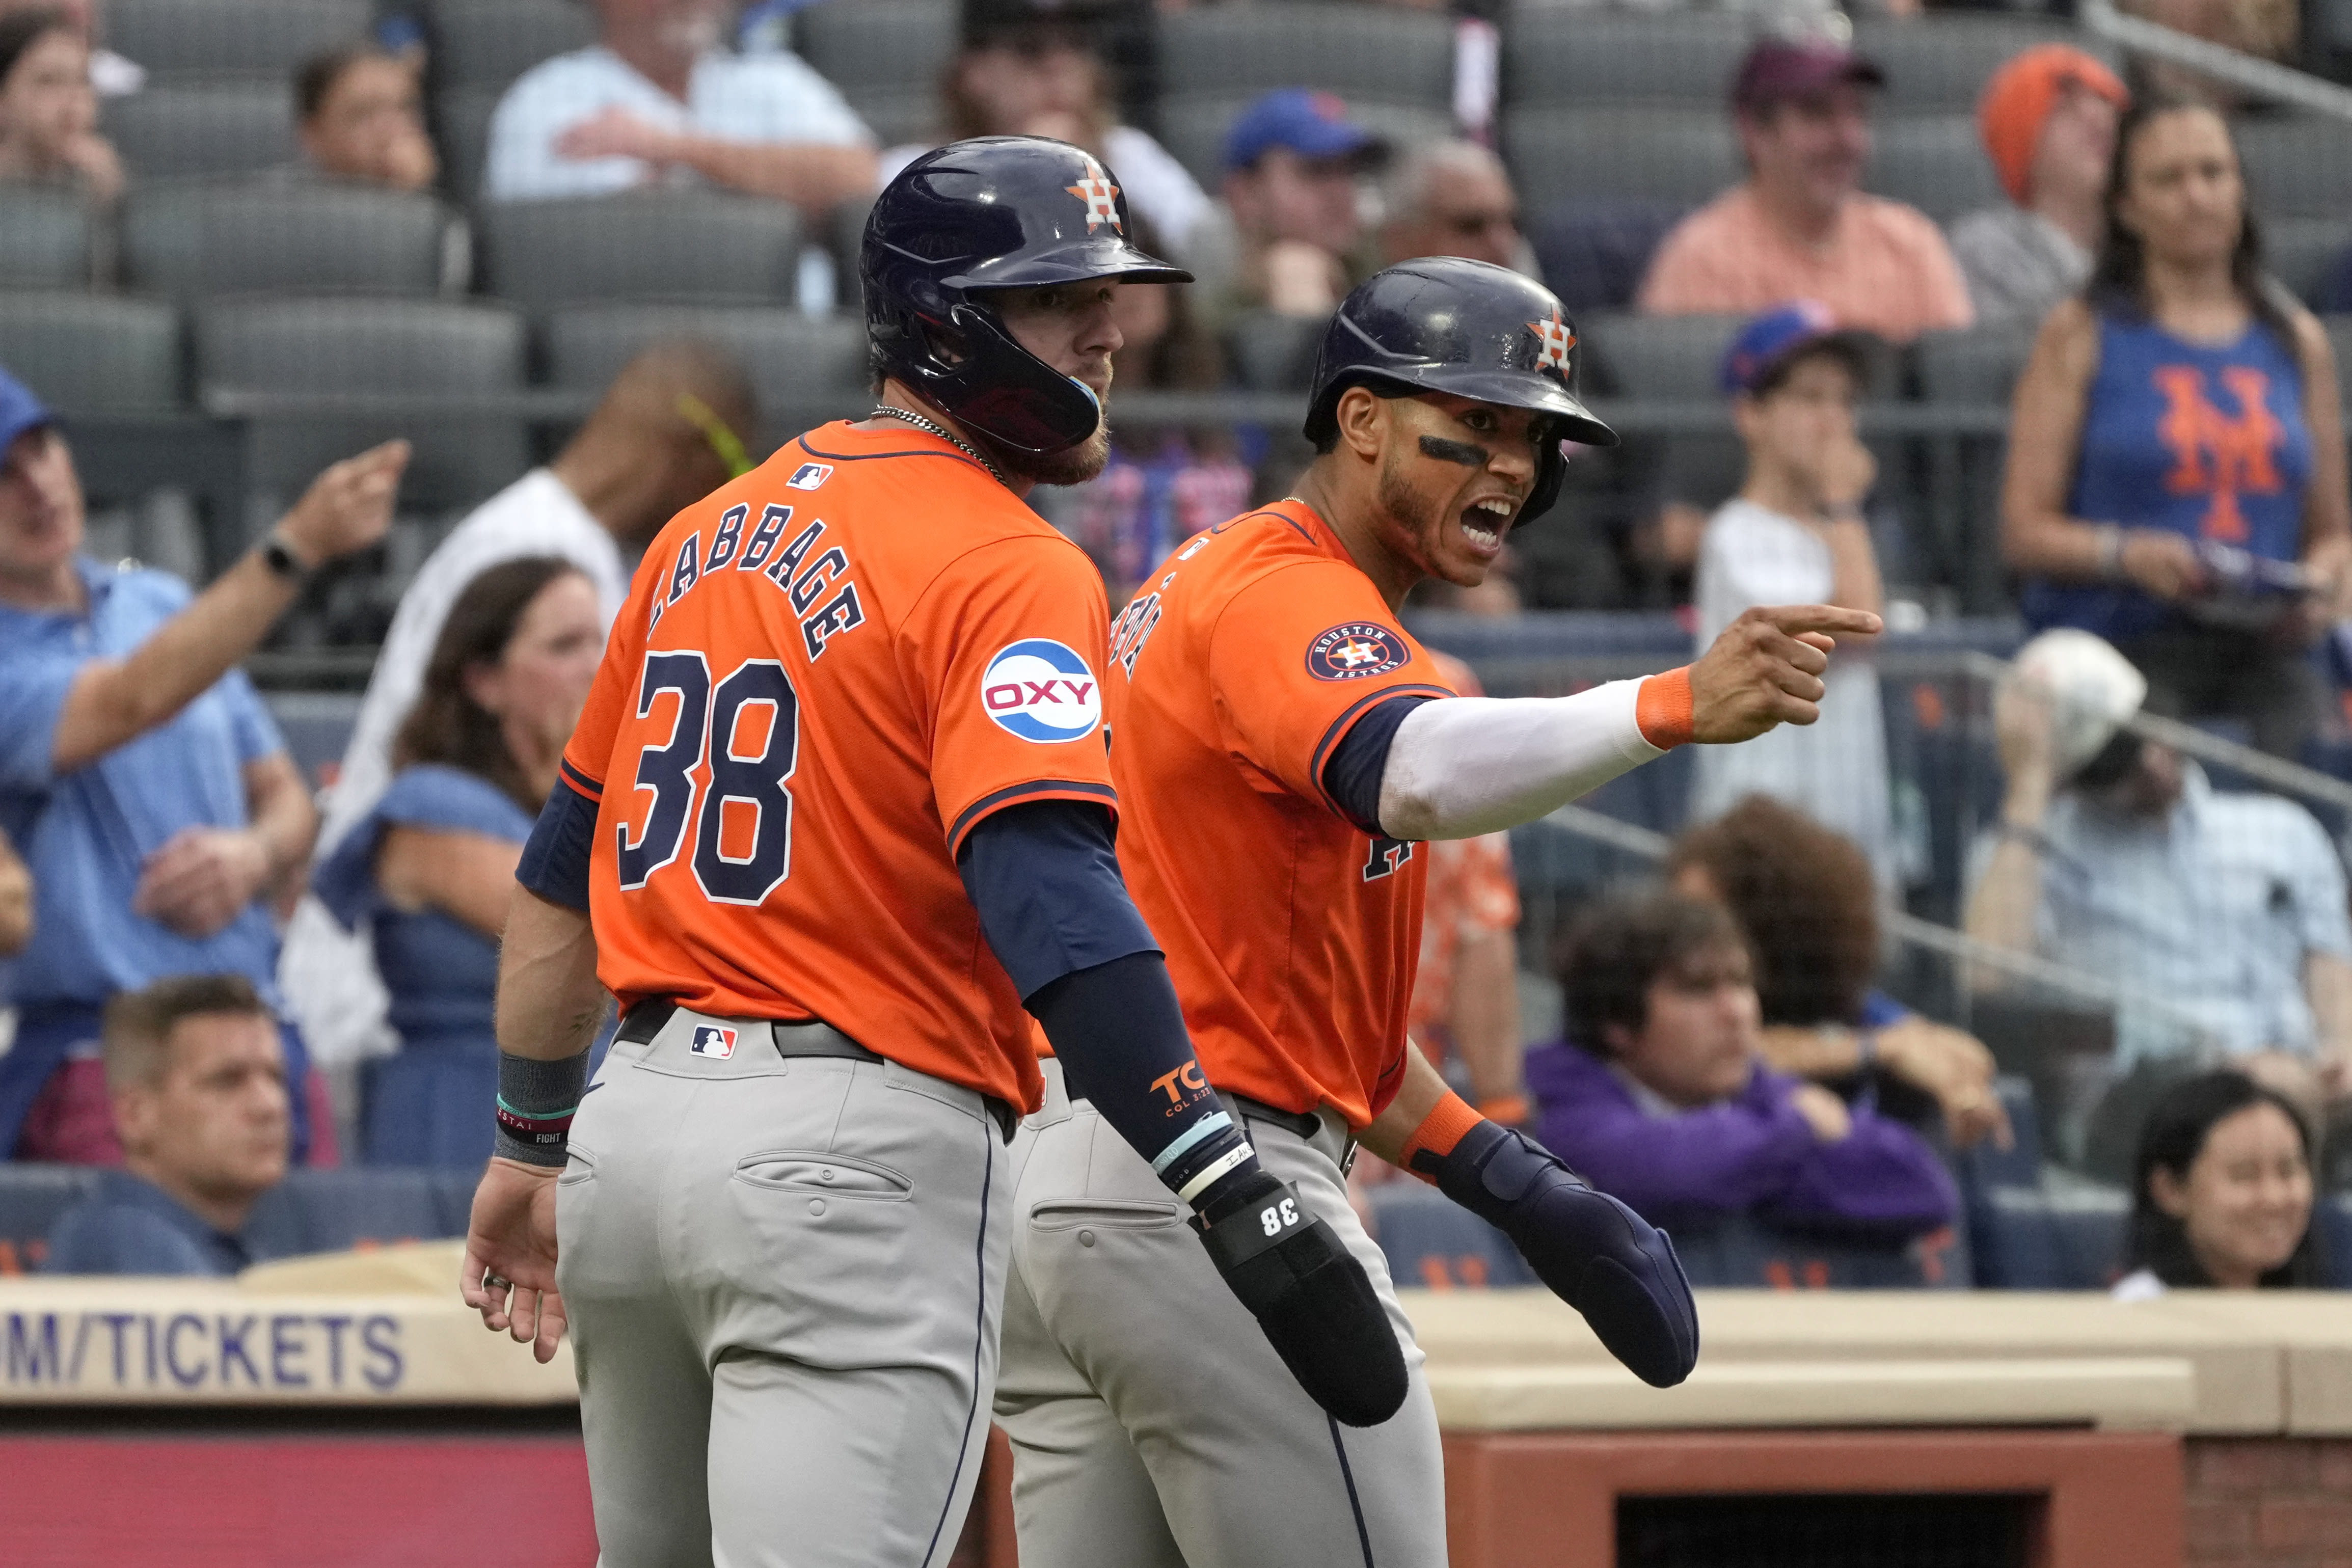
<point x="282" y="563"/>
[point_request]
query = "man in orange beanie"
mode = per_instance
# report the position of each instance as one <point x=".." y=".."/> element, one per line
<point x="2048" y="118"/>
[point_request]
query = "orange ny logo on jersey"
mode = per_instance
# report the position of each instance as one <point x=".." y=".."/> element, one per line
<point x="2213" y="453"/>
<point x="1189" y="1075"/>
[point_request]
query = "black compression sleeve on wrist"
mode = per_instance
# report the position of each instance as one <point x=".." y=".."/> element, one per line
<point x="536" y="1101"/>
<point x="1120" y="1036"/>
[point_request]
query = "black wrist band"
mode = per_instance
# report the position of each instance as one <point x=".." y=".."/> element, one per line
<point x="283" y="564"/>
<point x="536" y="1102"/>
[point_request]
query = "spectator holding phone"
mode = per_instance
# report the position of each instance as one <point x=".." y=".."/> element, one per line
<point x="2176" y="478"/>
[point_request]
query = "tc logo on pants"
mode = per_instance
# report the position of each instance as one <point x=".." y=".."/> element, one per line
<point x="710" y="1041"/>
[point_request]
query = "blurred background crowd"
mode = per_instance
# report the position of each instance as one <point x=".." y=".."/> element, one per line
<point x="2030" y="965"/>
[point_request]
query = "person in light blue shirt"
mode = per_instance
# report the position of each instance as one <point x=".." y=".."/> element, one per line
<point x="428" y="872"/>
<point x="140" y="776"/>
<point x="197" y="1072"/>
<point x="656" y="100"/>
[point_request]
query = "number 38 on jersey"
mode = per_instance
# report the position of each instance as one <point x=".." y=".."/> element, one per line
<point x="718" y="779"/>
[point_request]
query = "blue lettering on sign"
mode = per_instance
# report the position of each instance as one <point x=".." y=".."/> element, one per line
<point x="282" y="1352"/>
<point x="185" y="1377"/>
<point x="33" y="1353"/>
<point x="381" y="1336"/>
<point x="232" y="1348"/>
<point x="283" y="1346"/>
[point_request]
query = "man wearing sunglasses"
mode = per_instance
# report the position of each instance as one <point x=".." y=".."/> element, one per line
<point x="669" y="429"/>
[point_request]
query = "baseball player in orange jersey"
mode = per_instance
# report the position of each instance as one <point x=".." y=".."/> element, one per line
<point x="1281" y="744"/>
<point x="834" y="827"/>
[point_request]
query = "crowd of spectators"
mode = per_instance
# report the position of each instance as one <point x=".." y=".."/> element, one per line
<point x="2174" y="512"/>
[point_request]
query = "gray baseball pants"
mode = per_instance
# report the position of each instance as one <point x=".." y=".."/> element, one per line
<point x="784" y="1276"/>
<point x="1153" y="1424"/>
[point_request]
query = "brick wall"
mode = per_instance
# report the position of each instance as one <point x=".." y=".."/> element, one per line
<point x="2270" y="1503"/>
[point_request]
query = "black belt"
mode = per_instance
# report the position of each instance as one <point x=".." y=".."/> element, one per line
<point x="815" y="1037"/>
<point x="1307" y="1125"/>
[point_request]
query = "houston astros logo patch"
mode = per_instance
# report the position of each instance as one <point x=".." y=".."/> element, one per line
<point x="1354" y="650"/>
<point x="1041" y="692"/>
<point x="1553" y="340"/>
<point x="1100" y="196"/>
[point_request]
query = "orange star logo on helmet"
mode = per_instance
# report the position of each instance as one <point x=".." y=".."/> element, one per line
<point x="1553" y="340"/>
<point x="1101" y="198"/>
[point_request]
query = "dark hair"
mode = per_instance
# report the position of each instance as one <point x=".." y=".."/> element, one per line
<point x="316" y="77"/>
<point x="2118" y="284"/>
<point x="1807" y="899"/>
<point x="1621" y="946"/>
<point x="2173" y="1137"/>
<point x="136" y="1035"/>
<point x="1848" y="349"/>
<point x="20" y="30"/>
<point x="446" y="725"/>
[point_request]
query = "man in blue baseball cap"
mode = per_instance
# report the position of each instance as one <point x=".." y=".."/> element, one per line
<point x="140" y="774"/>
<point x="1295" y="165"/>
<point x="1795" y="533"/>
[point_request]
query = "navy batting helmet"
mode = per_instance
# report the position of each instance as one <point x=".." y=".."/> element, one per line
<point x="1447" y="324"/>
<point x="995" y="212"/>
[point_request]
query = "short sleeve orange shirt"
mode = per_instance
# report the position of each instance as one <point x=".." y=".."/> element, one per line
<point x="1290" y="932"/>
<point x="827" y="673"/>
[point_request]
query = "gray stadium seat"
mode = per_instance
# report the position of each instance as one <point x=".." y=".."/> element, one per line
<point x="45" y="236"/>
<point x="1554" y="55"/>
<point x="1274" y="353"/>
<point x="1662" y="356"/>
<point x="203" y="128"/>
<point x="489" y="43"/>
<point x="93" y="354"/>
<point x="214" y="38"/>
<point x="651" y="244"/>
<point x="862" y="44"/>
<point x="245" y="236"/>
<point x="1643" y="151"/>
<point x="897" y="115"/>
<point x="1976" y="364"/>
<point x="1192" y="128"/>
<point x="807" y="369"/>
<point x="1941" y="62"/>
<point x="2297" y="165"/>
<point x="1933" y="162"/>
<point x="2339" y="333"/>
<point x="413" y="347"/>
<point x="462" y="122"/>
<point x="1358" y="52"/>
<point x="2303" y="252"/>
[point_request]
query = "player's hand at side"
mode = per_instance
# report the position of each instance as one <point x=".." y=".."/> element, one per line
<point x="1766" y="669"/>
<point x="348" y="507"/>
<point x="509" y="1274"/>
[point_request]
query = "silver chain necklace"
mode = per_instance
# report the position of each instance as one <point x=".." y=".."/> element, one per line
<point x="942" y="431"/>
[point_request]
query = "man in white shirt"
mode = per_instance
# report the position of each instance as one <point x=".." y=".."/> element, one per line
<point x="1795" y="533"/>
<point x="663" y="437"/>
<point x="658" y="100"/>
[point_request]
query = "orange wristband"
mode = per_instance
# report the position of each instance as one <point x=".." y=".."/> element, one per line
<point x="1510" y="1109"/>
<point x="1663" y="709"/>
<point x="1439" y="1132"/>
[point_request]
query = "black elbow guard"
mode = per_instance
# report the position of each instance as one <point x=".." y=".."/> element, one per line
<point x="1314" y="1300"/>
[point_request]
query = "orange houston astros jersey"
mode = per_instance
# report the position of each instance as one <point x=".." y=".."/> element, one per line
<point x="1291" y="933"/>
<point x="827" y="674"/>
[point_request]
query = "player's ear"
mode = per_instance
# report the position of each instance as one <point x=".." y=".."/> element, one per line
<point x="1364" y="417"/>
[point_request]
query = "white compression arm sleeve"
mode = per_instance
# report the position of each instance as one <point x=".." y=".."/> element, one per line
<point x="1461" y="766"/>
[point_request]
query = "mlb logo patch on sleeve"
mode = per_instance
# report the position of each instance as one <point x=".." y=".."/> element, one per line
<point x="711" y="1040"/>
<point x="1354" y="650"/>
<point x="1040" y="690"/>
<point x="808" y="476"/>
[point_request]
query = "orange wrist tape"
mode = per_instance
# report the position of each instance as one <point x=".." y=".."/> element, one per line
<point x="1510" y="1109"/>
<point x="1439" y="1132"/>
<point x="1663" y="709"/>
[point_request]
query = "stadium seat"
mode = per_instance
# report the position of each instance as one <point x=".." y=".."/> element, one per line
<point x="317" y="726"/>
<point x="334" y="1211"/>
<point x="650" y="245"/>
<point x="2297" y="164"/>
<point x="1638" y="152"/>
<point x="31" y="1198"/>
<point x="2305" y="253"/>
<point x="1594" y="252"/>
<point x="1270" y="352"/>
<point x="1556" y="54"/>
<point x="1433" y="1242"/>
<point x="1977" y="364"/>
<point x="245" y="236"/>
<point x="1935" y="162"/>
<point x="2333" y="1217"/>
<point x="1192" y="127"/>
<point x="2039" y="1238"/>
<point x="1365" y="54"/>
<point x="807" y="370"/>
<point x="214" y="37"/>
<point x="1985" y="1167"/>
<point x="1737" y="1252"/>
<point x="885" y="57"/>
<point x="486" y="43"/>
<point x="414" y="348"/>
<point x="461" y="121"/>
<point x="1662" y="356"/>
<point x="203" y="128"/>
<point x="1942" y="62"/>
<point x="45" y="237"/>
<point x="94" y="353"/>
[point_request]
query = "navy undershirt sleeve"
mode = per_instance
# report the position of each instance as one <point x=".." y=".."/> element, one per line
<point x="1044" y="878"/>
<point x="554" y="862"/>
<point x="1351" y="774"/>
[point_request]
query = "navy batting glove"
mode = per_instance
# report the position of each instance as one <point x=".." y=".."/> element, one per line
<point x="1594" y="1253"/>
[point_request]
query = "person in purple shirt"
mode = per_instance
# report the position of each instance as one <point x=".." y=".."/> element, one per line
<point x="1664" y="1101"/>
